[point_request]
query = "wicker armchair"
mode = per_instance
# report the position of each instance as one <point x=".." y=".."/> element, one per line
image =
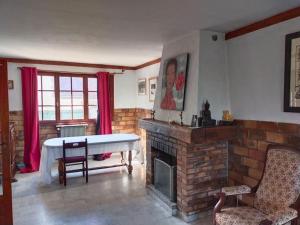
<point x="276" y="197"/>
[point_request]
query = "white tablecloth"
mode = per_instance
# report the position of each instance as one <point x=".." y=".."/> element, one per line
<point x="97" y="144"/>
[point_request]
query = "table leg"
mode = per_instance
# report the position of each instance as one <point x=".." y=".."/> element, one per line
<point x="129" y="167"/>
<point x="122" y="158"/>
<point x="60" y="171"/>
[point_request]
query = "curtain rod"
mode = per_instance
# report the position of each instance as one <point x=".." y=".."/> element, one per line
<point x="77" y="73"/>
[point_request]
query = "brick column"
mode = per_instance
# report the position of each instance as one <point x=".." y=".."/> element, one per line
<point x="201" y="172"/>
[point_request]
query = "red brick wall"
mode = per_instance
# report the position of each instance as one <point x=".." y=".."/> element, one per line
<point x="201" y="172"/>
<point x="247" y="153"/>
<point x="17" y="118"/>
<point x="125" y="121"/>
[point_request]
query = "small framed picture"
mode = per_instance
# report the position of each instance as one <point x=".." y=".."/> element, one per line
<point x="142" y="86"/>
<point x="152" y="88"/>
<point x="10" y="84"/>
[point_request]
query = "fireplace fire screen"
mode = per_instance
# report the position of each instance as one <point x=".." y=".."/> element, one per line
<point x="165" y="178"/>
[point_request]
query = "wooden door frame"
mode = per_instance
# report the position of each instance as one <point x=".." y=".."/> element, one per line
<point x="6" y="217"/>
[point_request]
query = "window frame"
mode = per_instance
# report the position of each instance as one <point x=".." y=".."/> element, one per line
<point x="57" y="90"/>
<point x="88" y="105"/>
<point x="72" y="92"/>
<point x="42" y="90"/>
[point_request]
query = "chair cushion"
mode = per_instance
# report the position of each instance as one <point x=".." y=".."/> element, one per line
<point x="240" y="216"/>
<point x="74" y="159"/>
<point x="283" y="216"/>
<point x="280" y="186"/>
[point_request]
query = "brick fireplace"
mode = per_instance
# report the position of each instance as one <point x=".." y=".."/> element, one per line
<point x="201" y="158"/>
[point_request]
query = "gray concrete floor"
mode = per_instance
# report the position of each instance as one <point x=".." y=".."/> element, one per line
<point x="110" y="198"/>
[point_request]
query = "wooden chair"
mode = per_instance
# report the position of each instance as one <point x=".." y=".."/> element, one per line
<point x="73" y="160"/>
<point x="276" y="197"/>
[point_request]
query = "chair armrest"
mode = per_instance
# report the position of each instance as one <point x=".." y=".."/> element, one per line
<point x="283" y="216"/>
<point x="236" y="190"/>
<point x="218" y="206"/>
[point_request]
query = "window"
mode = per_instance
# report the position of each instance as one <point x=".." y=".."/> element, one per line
<point x="71" y="105"/>
<point x="64" y="97"/>
<point x="92" y="98"/>
<point x="46" y="97"/>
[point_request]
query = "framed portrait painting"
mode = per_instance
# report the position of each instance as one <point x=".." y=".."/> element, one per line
<point x="142" y="86"/>
<point x="174" y="82"/>
<point x="152" y="88"/>
<point x="292" y="73"/>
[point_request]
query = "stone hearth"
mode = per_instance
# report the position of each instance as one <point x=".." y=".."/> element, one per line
<point x="202" y="162"/>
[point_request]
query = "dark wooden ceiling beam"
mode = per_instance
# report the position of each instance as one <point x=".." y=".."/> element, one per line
<point x="63" y="63"/>
<point x="147" y="64"/>
<point x="281" y="17"/>
<point x="76" y="64"/>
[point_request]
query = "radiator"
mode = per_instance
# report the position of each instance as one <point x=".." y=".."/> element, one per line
<point x="72" y="130"/>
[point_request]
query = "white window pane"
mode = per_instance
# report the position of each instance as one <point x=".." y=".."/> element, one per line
<point x="39" y="80"/>
<point x="65" y="83"/>
<point x="48" y="83"/>
<point x="48" y="113"/>
<point x="92" y="84"/>
<point x="65" y="98"/>
<point x="48" y="98"/>
<point x="65" y="113"/>
<point x="77" y="98"/>
<point x="78" y="112"/>
<point x="93" y="98"/>
<point x="93" y="112"/>
<point x="77" y="83"/>
<point x="39" y="98"/>
<point x="40" y="113"/>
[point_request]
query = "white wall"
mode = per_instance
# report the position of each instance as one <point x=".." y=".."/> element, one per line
<point x="187" y="44"/>
<point x="207" y="76"/>
<point x="125" y="90"/>
<point x="256" y="73"/>
<point x="252" y="65"/>
<point x="213" y="73"/>
<point x="125" y="84"/>
<point x="142" y="101"/>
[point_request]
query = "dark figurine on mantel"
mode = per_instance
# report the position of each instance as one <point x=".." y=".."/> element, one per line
<point x="153" y="114"/>
<point x="205" y="120"/>
<point x="181" y="117"/>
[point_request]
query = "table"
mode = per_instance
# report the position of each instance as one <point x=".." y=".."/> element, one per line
<point x="97" y="144"/>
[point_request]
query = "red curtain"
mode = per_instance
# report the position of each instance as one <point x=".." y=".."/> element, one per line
<point x="31" y="121"/>
<point x="104" y="106"/>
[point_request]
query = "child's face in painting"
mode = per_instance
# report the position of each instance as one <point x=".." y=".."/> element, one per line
<point x="171" y="76"/>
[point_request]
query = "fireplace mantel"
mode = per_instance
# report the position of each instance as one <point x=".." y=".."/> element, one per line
<point x="189" y="135"/>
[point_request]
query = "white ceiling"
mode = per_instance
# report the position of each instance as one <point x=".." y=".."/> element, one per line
<point x="120" y="32"/>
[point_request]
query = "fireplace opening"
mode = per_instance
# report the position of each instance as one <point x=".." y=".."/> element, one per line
<point x="165" y="177"/>
<point x="166" y="157"/>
